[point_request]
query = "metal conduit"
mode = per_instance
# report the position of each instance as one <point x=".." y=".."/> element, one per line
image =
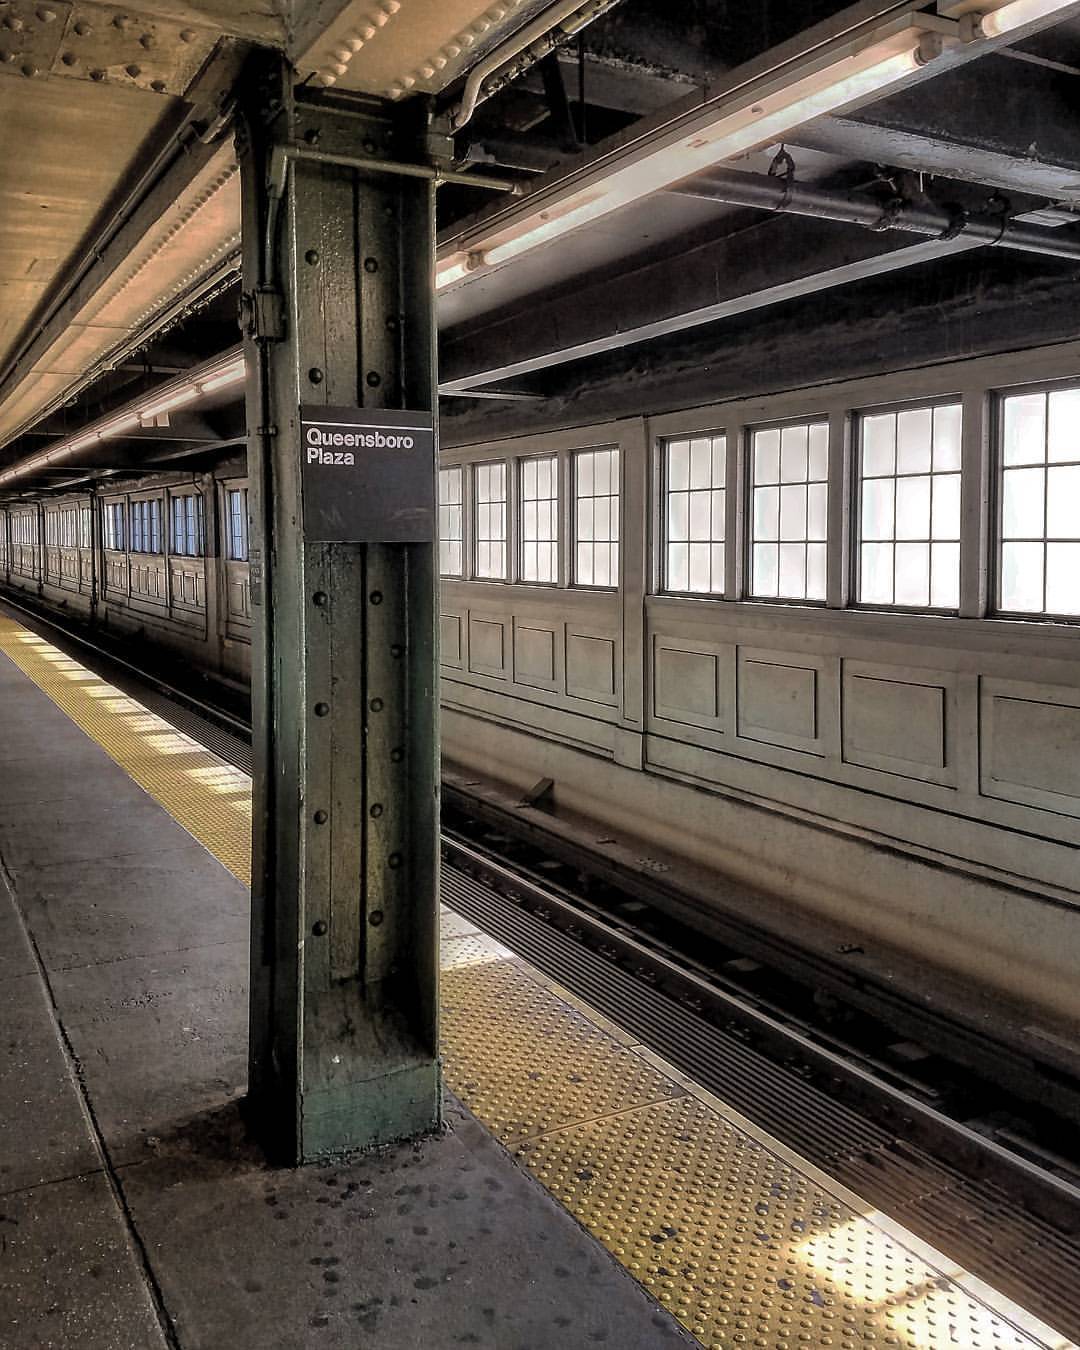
<point x="768" y="193"/>
<point x="528" y="46"/>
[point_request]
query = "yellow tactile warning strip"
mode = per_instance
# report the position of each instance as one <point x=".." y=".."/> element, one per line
<point x="745" y="1243"/>
<point x="211" y="799"/>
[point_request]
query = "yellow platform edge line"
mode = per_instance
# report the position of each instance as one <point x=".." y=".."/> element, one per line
<point x="745" y="1242"/>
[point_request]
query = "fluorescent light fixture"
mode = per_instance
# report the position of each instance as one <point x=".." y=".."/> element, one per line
<point x="128" y="422"/>
<point x="230" y="374"/>
<point x="1015" y="15"/>
<point x="763" y="111"/>
<point x="81" y="442"/>
<point x="176" y="399"/>
<point x="454" y="268"/>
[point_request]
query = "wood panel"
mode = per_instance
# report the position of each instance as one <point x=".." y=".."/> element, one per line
<point x="778" y="697"/>
<point x="1031" y="744"/>
<point x="487" y="646"/>
<point x="900" y="720"/>
<point x="590" y="667"/>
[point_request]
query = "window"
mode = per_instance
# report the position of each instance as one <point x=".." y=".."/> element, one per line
<point x="86" y="534"/>
<point x="1040" y="503"/>
<point x="540" y="519"/>
<point x="451" y="523"/>
<point x="52" y="531"/>
<point x="909" y="508"/>
<point x="694" y="478"/>
<point x="187" y="525"/>
<point x="114" y="525"/>
<point x="596" y="517"/>
<point x="24" y="529"/>
<point x="238" y="524"/>
<point x="790" y="467"/>
<point x="490" y="498"/>
<point x="146" y="526"/>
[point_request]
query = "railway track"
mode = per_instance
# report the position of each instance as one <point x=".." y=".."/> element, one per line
<point x="982" y="1173"/>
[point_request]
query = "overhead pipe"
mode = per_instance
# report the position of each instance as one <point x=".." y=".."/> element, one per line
<point x="206" y="379"/>
<point x="768" y="192"/>
<point x="525" y="48"/>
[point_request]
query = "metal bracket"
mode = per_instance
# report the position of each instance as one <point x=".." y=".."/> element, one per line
<point x="262" y="314"/>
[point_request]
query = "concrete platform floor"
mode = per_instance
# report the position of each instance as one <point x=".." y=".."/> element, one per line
<point x="134" y="1211"/>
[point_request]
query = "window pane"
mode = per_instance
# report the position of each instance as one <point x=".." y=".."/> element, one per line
<point x="1063" y="439"/>
<point x="700" y="463"/>
<point x="792" y="513"/>
<point x="719" y="499"/>
<point x="1063" y="579"/>
<point x="945" y="576"/>
<point x="912" y="578"/>
<point x="1022" y="577"/>
<point x="913" y="436"/>
<point x="947" y="430"/>
<point x="877" y="508"/>
<point x="913" y="508"/>
<point x="792" y="570"/>
<point x="819" y="452"/>
<point x="1024" y="429"/>
<point x="878" y="445"/>
<point x="678" y="567"/>
<point x="700" y="516"/>
<point x="945" y="521"/>
<point x="767" y="456"/>
<point x="1022" y="504"/>
<point x="766" y="569"/>
<point x="767" y="513"/>
<point x="678" y="465"/>
<point x="1063" y="503"/>
<point x="700" y="567"/>
<point x="815" y="571"/>
<point x="817" y="512"/>
<point x="794" y="443"/>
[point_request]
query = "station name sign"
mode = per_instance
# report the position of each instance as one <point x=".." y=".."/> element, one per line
<point x="367" y="475"/>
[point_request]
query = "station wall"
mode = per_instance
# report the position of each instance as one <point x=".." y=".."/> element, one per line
<point x="909" y="769"/>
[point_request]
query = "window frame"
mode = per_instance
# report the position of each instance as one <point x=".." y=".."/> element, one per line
<point x="574" y="581"/>
<point x="115" y="525"/>
<point x="746" y="452"/>
<point x="241" y="493"/>
<point x="854" y="495"/>
<point x="995" y="553"/>
<point x="472" y="522"/>
<point x="659" y="537"/>
<point x="556" y="544"/>
<point x="463" y="481"/>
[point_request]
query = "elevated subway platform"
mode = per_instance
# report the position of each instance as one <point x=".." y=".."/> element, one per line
<point x="136" y="1212"/>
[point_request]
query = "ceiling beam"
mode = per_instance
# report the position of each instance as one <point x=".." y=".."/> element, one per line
<point x="778" y="259"/>
<point x="1010" y="124"/>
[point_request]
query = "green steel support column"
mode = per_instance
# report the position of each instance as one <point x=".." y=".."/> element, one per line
<point x="338" y="316"/>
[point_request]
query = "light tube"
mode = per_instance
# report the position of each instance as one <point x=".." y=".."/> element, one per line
<point x="176" y="400"/>
<point x="736" y="131"/>
<point x="1015" y="15"/>
<point x="454" y="268"/>
<point x="126" y="423"/>
<point x="230" y="375"/>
